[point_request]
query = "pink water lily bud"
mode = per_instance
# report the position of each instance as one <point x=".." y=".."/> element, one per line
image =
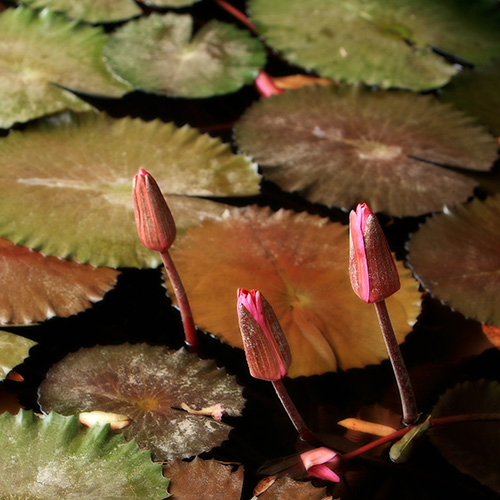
<point x="266" y="86"/>
<point x="372" y="269"/>
<point x="155" y="224"/>
<point x="266" y="348"/>
<point x="315" y="461"/>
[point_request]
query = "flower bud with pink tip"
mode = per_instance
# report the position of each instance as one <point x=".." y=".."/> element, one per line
<point x="372" y="269"/>
<point x="314" y="462"/>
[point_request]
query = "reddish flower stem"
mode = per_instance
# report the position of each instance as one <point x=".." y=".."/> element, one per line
<point x="410" y="413"/>
<point x="185" y="309"/>
<point x="237" y="14"/>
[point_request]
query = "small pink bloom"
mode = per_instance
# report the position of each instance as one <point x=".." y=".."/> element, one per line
<point x="266" y="86"/>
<point x="372" y="269"/>
<point x="315" y="461"/>
<point x="266" y="348"/>
<point x="155" y="224"/>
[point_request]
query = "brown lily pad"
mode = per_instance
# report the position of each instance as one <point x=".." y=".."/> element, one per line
<point x="286" y="487"/>
<point x="148" y="384"/>
<point x="300" y="264"/>
<point x="455" y="256"/>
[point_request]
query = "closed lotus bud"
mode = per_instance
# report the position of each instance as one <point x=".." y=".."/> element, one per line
<point x="266" y="348"/>
<point x="314" y="462"/>
<point x="155" y="224"/>
<point x="372" y="269"/>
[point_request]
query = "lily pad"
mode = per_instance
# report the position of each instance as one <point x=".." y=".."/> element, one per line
<point x="388" y="44"/>
<point x="66" y="184"/>
<point x="160" y="54"/>
<point x="43" y="54"/>
<point x="148" y="384"/>
<point x="102" y="11"/>
<point x="174" y="4"/>
<point x="300" y="264"/>
<point x="455" y="256"/>
<point x="472" y="447"/>
<point x="14" y="350"/>
<point x="343" y="146"/>
<point x="36" y="288"/>
<point x="56" y="457"/>
<point x="286" y="487"/>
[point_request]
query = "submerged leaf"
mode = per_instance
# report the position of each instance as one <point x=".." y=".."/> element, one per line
<point x="148" y="384"/>
<point x="36" y="288"/>
<point x="160" y="54"/>
<point x="462" y="268"/>
<point x="342" y="146"/>
<point x="13" y="350"/>
<point x="55" y="457"/>
<point x="300" y="264"/>
<point x="66" y="184"/>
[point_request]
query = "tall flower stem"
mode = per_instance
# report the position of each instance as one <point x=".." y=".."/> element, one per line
<point x="294" y="415"/>
<point x="410" y="413"/>
<point x="185" y="309"/>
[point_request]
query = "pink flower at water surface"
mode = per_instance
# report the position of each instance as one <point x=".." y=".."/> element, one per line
<point x="314" y="462"/>
<point x="154" y="221"/>
<point x="266" y="348"/>
<point x="372" y="269"/>
<point x="266" y="86"/>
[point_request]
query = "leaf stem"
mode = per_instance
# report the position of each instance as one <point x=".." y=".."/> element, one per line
<point x="237" y="14"/>
<point x="410" y="413"/>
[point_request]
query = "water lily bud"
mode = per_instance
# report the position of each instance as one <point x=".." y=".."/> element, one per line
<point x="266" y="348"/>
<point x="314" y="462"/>
<point x="372" y="269"/>
<point x="155" y="224"/>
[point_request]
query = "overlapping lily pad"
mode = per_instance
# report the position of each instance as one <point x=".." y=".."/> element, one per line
<point x="148" y="384"/>
<point x="42" y="55"/>
<point x="13" y="350"/>
<point x="175" y="4"/>
<point x="66" y="184"/>
<point x="388" y="44"/>
<point x="300" y="264"/>
<point x="343" y="146"/>
<point x="455" y="256"/>
<point x="57" y="458"/>
<point x="160" y="54"/>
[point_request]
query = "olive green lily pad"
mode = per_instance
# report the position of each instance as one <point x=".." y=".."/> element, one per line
<point x="472" y="447"/>
<point x="66" y="184"/>
<point x="388" y="44"/>
<point x="14" y="350"/>
<point x="300" y="264"/>
<point x="174" y="4"/>
<point x="160" y="54"/>
<point x="56" y="457"/>
<point x="42" y="55"/>
<point x="455" y="256"/>
<point x="101" y="11"/>
<point x="344" y="146"/>
<point x="148" y="384"/>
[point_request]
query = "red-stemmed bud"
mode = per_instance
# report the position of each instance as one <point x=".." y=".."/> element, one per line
<point x="155" y="224"/>
<point x="314" y="462"/>
<point x="372" y="269"/>
<point x="266" y="348"/>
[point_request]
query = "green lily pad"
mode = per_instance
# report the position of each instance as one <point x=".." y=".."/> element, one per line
<point x="388" y="44"/>
<point x="342" y="146"/>
<point x="174" y="4"/>
<point x="472" y="447"/>
<point x="66" y="184"/>
<point x="14" y="350"/>
<point x="55" y="457"/>
<point x="160" y="54"/>
<point x="42" y="55"/>
<point x="148" y="384"/>
<point x="455" y="256"/>
<point x="101" y="11"/>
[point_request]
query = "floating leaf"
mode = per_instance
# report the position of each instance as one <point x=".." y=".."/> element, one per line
<point x="36" y="288"/>
<point x="342" y="146"/>
<point x="13" y="350"/>
<point x="388" y="44"/>
<point x="160" y="54"/>
<point x="455" y="256"/>
<point x="147" y="384"/>
<point x="175" y="4"/>
<point x="92" y="11"/>
<point x="493" y="334"/>
<point x="66" y="184"/>
<point x="55" y="457"/>
<point x="286" y="488"/>
<point x="207" y="479"/>
<point x="300" y="264"/>
<point x="41" y="54"/>
<point x="472" y="447"/>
